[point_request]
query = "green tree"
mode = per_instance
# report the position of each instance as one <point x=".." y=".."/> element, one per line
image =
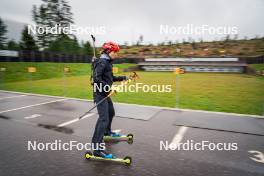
<point x="87" y="49"/>
<point x="194" y="45"/>
<point x="27" y="41"/>
<point x="140" y="40"/>
<point x="227" y="38"/>
<point x="12" y="45"/>
<point x="3" y="31"/>
<point x="49" y="14"/>
<point x="66" y="45"/>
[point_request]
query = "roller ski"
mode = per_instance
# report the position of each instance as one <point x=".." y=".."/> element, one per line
<point x="115" y="137"/>
<point x="101" y="156"/>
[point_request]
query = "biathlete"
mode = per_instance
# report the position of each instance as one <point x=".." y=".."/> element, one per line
<point x="103" y="78"/>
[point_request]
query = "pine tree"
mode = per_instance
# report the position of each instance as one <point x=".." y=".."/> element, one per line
<point x="63" y="14"/>
<point x="27" y="41"/>
<point x="87" y="49"/>
<point x="12" y="45"/>
<point x="49" y="14"/>
<point x="3" y="31"/>
<point x="40" y="18"/>
<point x="65" y="44"/>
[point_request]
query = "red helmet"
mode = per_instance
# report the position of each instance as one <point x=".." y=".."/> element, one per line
<point x="110" y="46"/>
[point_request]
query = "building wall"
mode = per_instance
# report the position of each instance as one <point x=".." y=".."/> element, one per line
<point x="233" y="65"/>
<point x="196" y="59"/>
<point x="196" y="68"/>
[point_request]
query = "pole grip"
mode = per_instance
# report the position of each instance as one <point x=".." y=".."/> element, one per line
<point x="93" y="38"/>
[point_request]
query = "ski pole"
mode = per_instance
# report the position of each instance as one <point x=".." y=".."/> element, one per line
<point x="93" y="46"/>
<point x="93" y="59"/>
<point x="109" y="95"/>
<point x="132" y="77"/>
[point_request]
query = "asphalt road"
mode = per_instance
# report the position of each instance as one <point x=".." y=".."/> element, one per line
<point x="45" y="119"/>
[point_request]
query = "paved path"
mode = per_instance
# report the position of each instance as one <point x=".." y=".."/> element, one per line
<point x="27" y="117"/>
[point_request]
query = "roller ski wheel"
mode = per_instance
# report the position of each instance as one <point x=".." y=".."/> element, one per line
<point x="126" y="160"/>
<point x="88" y="155"/>
<point x="129" y="138"/>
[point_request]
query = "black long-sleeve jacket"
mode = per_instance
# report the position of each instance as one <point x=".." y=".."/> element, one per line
<point x="103" y="74"/>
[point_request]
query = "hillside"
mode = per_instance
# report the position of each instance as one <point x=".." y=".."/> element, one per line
<point x="237" y="48"/>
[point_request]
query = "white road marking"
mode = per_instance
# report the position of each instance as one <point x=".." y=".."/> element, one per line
<point x="32" y="116"/>
<point x="74" y="120"/>
<point x="178" y="137"/>
<point x="258" y="156"/>
<point x="32" y="105"/>
<point x="16" y="96"/>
